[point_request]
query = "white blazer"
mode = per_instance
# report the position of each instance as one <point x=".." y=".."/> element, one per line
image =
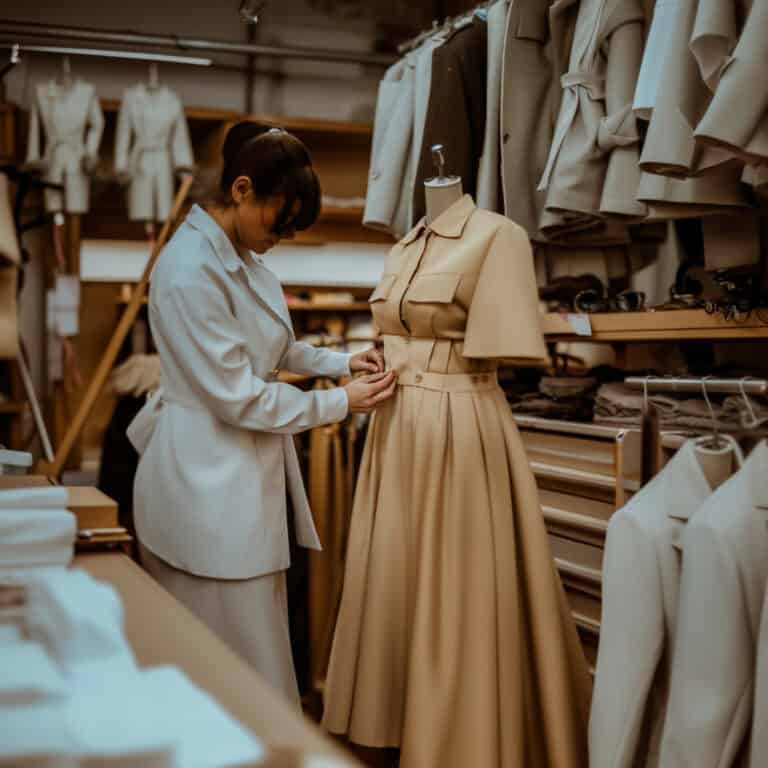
<point x="724" y="575"/>
<point x="210" y="492"/>
<point x="641" y="582"/>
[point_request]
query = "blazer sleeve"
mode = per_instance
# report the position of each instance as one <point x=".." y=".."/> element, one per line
<point x="209" y="349"/>
<point x="713" y="663"/>
<point x="123" y="134"/>
<point x="33" y="139"/>
<point x="183" y="158"/>
<point x="307" y="360"/>
<point x="504" y="319"/>
<point x="632" y="627"/>
<point x="95" y="128"/>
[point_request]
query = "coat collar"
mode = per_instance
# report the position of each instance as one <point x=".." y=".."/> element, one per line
<point x="204" y="223"/>
<point x="450" y="223"/>
<point x="685" y="485"/>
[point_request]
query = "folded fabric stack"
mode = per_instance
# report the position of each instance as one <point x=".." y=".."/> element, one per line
<point x="569" y="398"/>
<point x="36" y="529"/>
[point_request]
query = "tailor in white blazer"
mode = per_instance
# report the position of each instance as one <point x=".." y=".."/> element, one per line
<point x="210" y="496"/>
<point x="641" y="582"/>
<point x="724" y="576"/>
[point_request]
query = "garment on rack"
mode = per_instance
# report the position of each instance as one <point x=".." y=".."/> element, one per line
<point x="72" y="121"/>
<point x="641" y="583"/>
<point x="722" y="589"/>
<point x="530" y="100"/>
<point x="9" y="242"/>
<point x="453" y="630"/>
<point x="735" y="122"/>
<point x="152" y="142"/>
<point x="456" y="111"/>
<point x="592" y="166"/>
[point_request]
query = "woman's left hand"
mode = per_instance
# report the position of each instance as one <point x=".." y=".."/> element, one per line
<point x="370" y="361"/>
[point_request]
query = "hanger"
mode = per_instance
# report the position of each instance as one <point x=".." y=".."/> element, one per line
<point x="753" y="420"/>
<point x="12" y="62"/>
<point x="449" y="24"/>
<point x="709" y="441"/>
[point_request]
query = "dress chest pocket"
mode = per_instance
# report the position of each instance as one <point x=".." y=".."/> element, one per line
<point x="430" y="303"/>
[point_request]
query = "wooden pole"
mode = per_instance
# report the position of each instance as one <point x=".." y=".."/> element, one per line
<point x="113" y="348"/>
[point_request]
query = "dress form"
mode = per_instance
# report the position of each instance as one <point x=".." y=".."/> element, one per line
<point x="718" y="462"/>
<point x="441" y="191"/>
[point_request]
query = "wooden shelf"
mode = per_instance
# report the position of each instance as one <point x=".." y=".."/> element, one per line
<point x="670" y="325"/>
<point x="311" y="306"/>
<point x="199" y="114"/>
<point x="13" y="407"/>
<point x="340" y="213"/>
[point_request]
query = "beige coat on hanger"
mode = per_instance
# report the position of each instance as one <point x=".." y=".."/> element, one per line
<point x="152" y="142"/>
<point x="724" y="576"/>
<point x="387" y="204"/>
<point x="72" y="121"/>
<point x="592" y="166"/>
<point x="737" y="118"/>
<point x="641" y="582"/>
<point x="210" y="494"/>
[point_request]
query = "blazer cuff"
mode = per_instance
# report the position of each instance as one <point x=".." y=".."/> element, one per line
<point x="340" y="363"/>
<point x="334" y="405"/>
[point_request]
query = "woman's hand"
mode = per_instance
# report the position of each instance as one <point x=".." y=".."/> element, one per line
<point x="368" y="392"/>
<point x="370" y="361"/>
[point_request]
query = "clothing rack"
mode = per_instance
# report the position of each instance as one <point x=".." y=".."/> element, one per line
<point x="30" y="31"/>
<point x="105" y="54"/>
<point x="448" y="24"/>
<point x="747" y="385"/>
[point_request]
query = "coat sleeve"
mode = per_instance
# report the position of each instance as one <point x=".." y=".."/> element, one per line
<point x="632" y="627"/>
<point x="183" y="158"/>
<point x="208" y="348"/>
<point x="307" y="360"/>
<point x="95" y="128"/>
<point x="123" y="135"/>
<point x="713" y="663"/>
<point x="504" y="319"/>
<point x="33" y="140"/>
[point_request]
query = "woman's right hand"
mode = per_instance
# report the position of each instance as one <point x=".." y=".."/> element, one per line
<point x="368" y="392"/>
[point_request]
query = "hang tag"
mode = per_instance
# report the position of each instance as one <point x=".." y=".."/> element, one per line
<point x="580" y="324"/>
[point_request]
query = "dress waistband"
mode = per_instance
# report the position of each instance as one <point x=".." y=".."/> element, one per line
<point x="449" y="382"/>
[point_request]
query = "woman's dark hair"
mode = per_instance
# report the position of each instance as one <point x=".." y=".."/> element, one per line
<point x="277" y="163"/>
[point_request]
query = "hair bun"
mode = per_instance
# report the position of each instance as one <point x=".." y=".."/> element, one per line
<point x="237" y="136"/>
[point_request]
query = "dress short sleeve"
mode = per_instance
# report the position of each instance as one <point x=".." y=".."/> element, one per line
<point x="504" y="319"/>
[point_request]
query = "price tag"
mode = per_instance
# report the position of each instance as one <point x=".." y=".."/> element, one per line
<point x="580" y="324"/>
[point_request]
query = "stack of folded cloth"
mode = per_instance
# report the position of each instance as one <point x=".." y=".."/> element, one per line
<point x="619" y="404"/>
<point x="36" y="529"/>
<point x="569" y="398"/>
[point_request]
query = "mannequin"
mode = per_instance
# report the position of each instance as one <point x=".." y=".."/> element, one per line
<point x="154" y="77"/>
<point x="441" y="191"/>
<point x="718" y="459"/>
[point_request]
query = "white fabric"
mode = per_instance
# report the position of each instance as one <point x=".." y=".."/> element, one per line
<point x="34" y="498"/>
<point x="210" y="491"/>
<point x="654" y="64"/>
<point x="77" y="618"/>
<point x="722" y="589"/>
<point x="488" y="175"/>
<point x="36" y="538"/>
<point x="27" y="675"/>
<point x="641" y="578"/>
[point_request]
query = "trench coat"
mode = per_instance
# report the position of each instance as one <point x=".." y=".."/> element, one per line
<point x="724" y="576"/>
<point x="210" y="492"/>
<point x="71" y="118"/>
<point x="152" y="141"/>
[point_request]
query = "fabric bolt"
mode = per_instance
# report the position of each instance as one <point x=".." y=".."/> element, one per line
<point x="35" y="538"/>
<point x="736" y="120"/>
<point x="9" y="242"/>
<point x="530" y="99"/>
<point x="489" y="193"/>
<point x="221" y="427"/>
<point x="722" y="589"/>
<point x="592" y="165"/>
<point x="456" y="110"/>
<point x="386" y="208"/>
<point x="639" y="615"/>
<point x="249" y="615"/>
<point x="454" y="642"/>
<point x="151" y="143"/>
<point x="72" y="121"/>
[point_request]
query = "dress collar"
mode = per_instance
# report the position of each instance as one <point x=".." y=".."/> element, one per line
<point x="450" y="223"/>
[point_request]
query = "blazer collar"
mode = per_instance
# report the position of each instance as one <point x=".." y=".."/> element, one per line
<point x="204" y="223"/>
<point x="450" y="223"/>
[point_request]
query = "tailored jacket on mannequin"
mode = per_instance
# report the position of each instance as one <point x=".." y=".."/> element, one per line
<point x="641" y="584"/>
<point x="152" y="142"/>
<point x="72" y="121"/>
<point x="211" y="485"/>
<point x="724" y="576"/>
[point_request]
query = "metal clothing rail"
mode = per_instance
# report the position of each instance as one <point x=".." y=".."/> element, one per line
<point x="713" y="385"/>
<point x="101" y="53"/>
<point x="22" y="30"/>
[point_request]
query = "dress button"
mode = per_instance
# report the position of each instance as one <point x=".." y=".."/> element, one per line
<point x="419" y="378"/>
<point x="375" y="174"/>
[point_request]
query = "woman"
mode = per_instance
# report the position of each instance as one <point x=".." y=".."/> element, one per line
<point x="210" y="495"/>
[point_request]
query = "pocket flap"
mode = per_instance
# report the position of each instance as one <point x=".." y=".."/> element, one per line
<point x="383" y="289"/>
<point x="434" y="289"/>
<point x="533" y="24"/>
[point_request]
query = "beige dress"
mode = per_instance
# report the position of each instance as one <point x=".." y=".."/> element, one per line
<point x="454" y="641"/>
